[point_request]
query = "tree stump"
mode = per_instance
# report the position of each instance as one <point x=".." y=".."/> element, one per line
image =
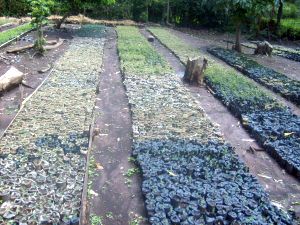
<point x="263" y="48"/>
<point x="194" y="72"/>
<point x="150" y="38"/>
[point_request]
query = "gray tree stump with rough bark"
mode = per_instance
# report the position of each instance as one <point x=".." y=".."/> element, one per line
<point x="194" y="72"/>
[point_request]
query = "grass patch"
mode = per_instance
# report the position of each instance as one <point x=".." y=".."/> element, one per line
<point x="137" y="55"/>
<point x="96" y="220"/>
<point x="8" y="35"/>
<point x="182" y="50"/>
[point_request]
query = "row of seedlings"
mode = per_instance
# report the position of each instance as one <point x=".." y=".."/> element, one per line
<point x="12" y="33"/>
<point x="190" y="175"/>
<point x="273" y="125"/>
<point x="289" y="53"/>
<point x="278" y="82"/>
<point x="43" y="153"/>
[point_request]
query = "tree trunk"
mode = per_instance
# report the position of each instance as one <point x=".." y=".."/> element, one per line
<point x="194" y="72"/>
<point x="60" y="22"/>
<point x="279" y="14"/>
<point x="40" y="39"/>
<point x="168" y="11"/>
<point x="237" y="46"/>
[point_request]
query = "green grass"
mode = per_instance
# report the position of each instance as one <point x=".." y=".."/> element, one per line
<point x="182" y="50"/>
<point x="8" y="35"/>
<point x="229" y="82"/>
<point x="138" y="57"/>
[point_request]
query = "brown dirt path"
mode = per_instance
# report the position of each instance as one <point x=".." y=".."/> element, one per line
<point x="288" y="67"/>
<point x="116" y="197"/>
<point x="282" y="187"/>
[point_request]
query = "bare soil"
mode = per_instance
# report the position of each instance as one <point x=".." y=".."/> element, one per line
<point x="29" y="63"/>
<point x="116" y="198"/>
<point x="284" y="189"/>
<point x="10" y="26"/>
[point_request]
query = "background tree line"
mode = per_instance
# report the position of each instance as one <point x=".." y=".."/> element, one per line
<point x="258" y="15"/>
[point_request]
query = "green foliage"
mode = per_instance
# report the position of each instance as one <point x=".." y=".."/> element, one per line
<point x="95" y="220"/>
<point x="290" y="10"/>
<point x="137" y="56"/>
<point x="290" y="28"/>
<point x="40" y="9"/>
<point x="14" y="7"/>
<point x="182" y="50"/>
<point x="235" y="86"/>
<point x="14" y="32"/>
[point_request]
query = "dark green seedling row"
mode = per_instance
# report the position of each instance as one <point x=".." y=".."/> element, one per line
<point x="279" y="132"/>
<point x="10" y="34"/>
<point x="289" y="55"/>
<point x="274" y="126"/>
<point x="279" y="83"/>
<point x="186" y="182"/>
<point x="91" y="30"/>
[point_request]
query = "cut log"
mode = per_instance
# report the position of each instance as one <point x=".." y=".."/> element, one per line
<point x="59" y="43"/>
<point x="11" y="78"/>
<point x="20" y="49"/>
<point x="150" y="38"/>
<point x="263" y="48"/>
<point x="194" y="72"/>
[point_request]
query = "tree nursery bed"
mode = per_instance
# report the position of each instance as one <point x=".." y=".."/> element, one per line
<point x="245" y="99"/>
<point x="183" y="163"/>
<point x="279" y="83"/>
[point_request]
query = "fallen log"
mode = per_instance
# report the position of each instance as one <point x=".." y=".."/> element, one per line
<point x="11" y="78"/>
<point x="59" y="43"/>
<point x="50" y="45"/>
<point x="20" y="49"/>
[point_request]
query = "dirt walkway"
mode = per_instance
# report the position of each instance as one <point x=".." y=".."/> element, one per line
<point x="202" y="44"/>
<point x="282" y="188"/>
<point x="208" y="38"/>
<point x="116" y="197"/>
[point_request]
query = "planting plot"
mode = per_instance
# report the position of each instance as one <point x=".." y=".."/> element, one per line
<point x="279" y="83"/>
<point x="43" y="151"/>
<point x="182" y="155"/>
<point x="244" y="99"/>
<point x="10" y="34"/>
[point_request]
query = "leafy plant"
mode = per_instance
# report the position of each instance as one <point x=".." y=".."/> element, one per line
<point x="141" y="58"/>
<point x="96" y="220"/>
<point x="14" y="32"/>
<point x="40" y="9"/>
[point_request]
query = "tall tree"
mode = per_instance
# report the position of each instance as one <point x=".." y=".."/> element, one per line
<point x="241" y="11"/>
<point x="40" y="9"/>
